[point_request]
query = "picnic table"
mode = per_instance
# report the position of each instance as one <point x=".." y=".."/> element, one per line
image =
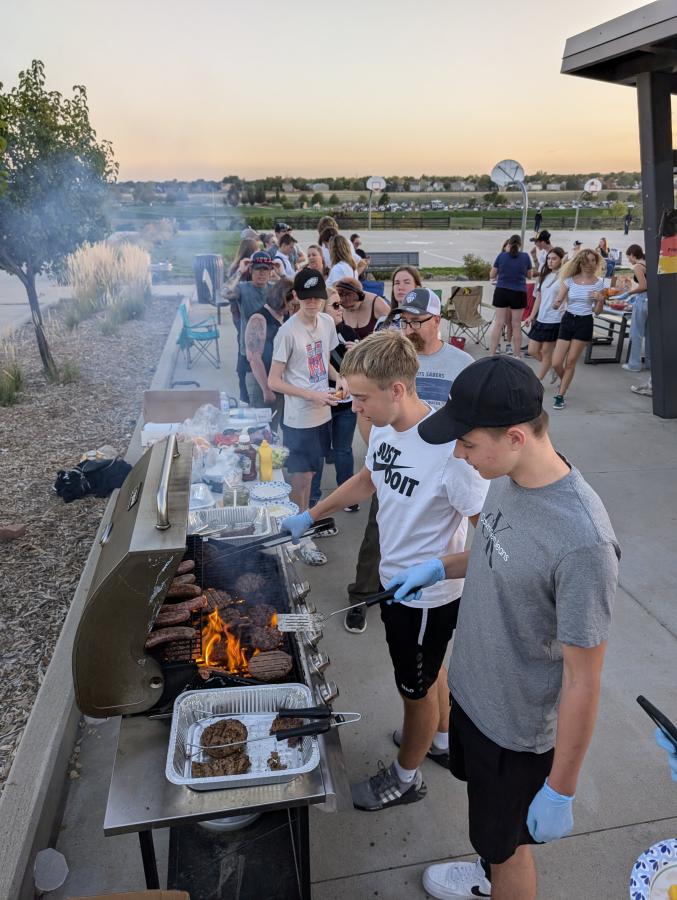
<point x="612" y="323"/>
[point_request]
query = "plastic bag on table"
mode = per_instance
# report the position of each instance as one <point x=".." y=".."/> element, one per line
<point x="221" y="465"/>
<point x="205" y="423"/>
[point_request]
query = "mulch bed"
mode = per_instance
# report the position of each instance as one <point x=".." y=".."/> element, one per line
<point x="49" y="429"/>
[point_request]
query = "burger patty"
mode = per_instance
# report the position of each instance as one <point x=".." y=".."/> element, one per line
<point x="250" y="582"/>
<point x="263" y="637"/>
<point x="282" y="724"/>
<point x="235" y="764"/>
<point x="261" y="613"/>
<point x="226" y="731"/>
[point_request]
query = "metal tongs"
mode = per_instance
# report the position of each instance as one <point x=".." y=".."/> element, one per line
<point x="324" y="718"/>
<point x="276" y="540"/>
<point x="315" y="621"/>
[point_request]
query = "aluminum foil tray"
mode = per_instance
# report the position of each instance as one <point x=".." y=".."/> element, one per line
<point x="255" y="707"/>
<point x="213" y="522"/>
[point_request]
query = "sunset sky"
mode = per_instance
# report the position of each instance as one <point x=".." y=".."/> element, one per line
<point x="215" y="87"/>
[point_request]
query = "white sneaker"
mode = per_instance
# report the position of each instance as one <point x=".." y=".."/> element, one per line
<point x="508" y="348"/>
<point x="310" y="555"/>
<point x="448" y="881"/>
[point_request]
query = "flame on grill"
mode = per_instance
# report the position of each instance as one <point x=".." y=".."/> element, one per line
<point x="215" y="634"/>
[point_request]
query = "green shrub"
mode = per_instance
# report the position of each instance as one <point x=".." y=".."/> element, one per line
<point x="476" y="268"/>
<point x="11" y="382"/>
<point x="69" y="372"/>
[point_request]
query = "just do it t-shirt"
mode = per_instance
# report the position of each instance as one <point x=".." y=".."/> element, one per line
<point x="424" y="496"/>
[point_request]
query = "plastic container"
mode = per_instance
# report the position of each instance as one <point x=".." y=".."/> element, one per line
<point x="265" y="461"/>
<point x="200" y="497"/>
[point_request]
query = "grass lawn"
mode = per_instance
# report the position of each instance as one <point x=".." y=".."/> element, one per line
<point x="185" y="245"/>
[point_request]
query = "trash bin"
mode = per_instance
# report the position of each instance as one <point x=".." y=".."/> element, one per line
<point x="208" y="269"/>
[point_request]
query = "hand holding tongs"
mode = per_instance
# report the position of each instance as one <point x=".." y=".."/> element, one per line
<point x="325" y="719"/>
<point x="276" y="540"/>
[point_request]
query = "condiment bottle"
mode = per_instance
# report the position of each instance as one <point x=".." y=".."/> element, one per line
<point x="265" y="461"/>
<point x="247" y="456"/>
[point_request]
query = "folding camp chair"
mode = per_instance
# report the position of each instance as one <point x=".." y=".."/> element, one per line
<point x="374" y="287"/>
<point x="463" y="311"/>
<point x="201" y="336"/>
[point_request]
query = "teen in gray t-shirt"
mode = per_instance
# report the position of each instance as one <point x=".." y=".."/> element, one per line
<point x="542" y="571"/>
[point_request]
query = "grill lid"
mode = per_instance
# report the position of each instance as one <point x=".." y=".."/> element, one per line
<point x="141" y="548"/>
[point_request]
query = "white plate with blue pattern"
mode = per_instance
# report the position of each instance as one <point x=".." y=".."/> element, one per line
<point x="655" y="872"/>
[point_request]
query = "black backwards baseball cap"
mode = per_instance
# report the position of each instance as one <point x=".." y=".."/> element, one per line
<point x="262" y="260"/>
<point x="310" y="283"/>
<point x="421" y="302"/>
<point x="281" y="226"/>
<point x="494" y="392"/>
<point x="541" y="236"/>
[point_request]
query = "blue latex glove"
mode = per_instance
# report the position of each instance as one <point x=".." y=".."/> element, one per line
<point x="297" y="525"/>
<point x="412" y="580"/>
<point x="669" y="747"/>
<point x="619" y="297"/>
<point x="550" y="815"/>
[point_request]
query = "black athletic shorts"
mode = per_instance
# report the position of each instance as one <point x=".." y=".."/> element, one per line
<point x="417" y="641"/>
<point x="501" y="785"/>
<point x="504" y="298"/>
<point x="575" y="328"/>
<point x="307" y="447"/>
<point x="544" y="332"/>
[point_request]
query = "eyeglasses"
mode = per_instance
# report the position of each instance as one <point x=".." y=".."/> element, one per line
<point x="335" y="305"/>
<point x="412" y="323"/>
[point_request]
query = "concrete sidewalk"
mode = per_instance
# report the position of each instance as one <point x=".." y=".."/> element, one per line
<point x="626" y="800"/>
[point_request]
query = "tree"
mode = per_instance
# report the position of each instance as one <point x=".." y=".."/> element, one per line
<point x="612" y="195"/>
<point x="317" y="198"/>
<point x="334" y="200"/>
<point x="57" y="177"/>
<point x="144" y="192"/>
<point x="384" y="199"/>
<point x="495" y="198"/>
<point x="303" y="200"/>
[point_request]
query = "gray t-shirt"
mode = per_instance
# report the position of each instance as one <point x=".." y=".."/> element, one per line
<point x="543" y="572"/>
<point x="250" y="299"/>
<point x="305" y="354"/>
<point x="437" y="371"/>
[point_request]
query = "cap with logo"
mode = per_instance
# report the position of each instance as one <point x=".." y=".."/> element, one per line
<point x="310" y="283"/>
<point x="494" y="392"/>
<point x="261" y="260"/>
<point x="421" y="302"/>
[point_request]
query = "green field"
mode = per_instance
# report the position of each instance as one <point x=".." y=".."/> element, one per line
<point x="183" y="247"/>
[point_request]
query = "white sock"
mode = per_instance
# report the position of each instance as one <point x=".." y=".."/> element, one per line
<point x="441" y="740"/>
<point x="405" y="775"/>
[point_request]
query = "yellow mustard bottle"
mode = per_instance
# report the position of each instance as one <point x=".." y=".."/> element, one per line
<point x="265" y="461"/>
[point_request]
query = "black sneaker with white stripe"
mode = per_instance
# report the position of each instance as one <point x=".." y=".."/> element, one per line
<point x="385" y="789"/>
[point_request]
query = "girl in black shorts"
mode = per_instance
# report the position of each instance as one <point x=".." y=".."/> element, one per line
<point x="544" y="320"/>
<point x="511" y="267"/>
<point x="581" y="285"/>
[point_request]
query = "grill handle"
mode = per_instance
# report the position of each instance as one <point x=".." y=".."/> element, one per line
<point x="171" y="453"/>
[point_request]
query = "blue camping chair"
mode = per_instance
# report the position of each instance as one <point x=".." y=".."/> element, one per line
<point x="202" y="336"/>
<point x="374" y="287"/>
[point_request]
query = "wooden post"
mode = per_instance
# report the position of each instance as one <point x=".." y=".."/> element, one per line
<point x="655" y="139"/>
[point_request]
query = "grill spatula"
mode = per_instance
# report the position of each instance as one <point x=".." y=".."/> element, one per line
<point x="315" y="621"/>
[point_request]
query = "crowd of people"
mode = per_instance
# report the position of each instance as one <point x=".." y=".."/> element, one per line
<point x="450" y="441"/>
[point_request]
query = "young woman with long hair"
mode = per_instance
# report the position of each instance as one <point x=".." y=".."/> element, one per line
<point x="324" y="240"/>
<point x="244" y="251"/>
<point x="581" y="283"/>
<point x="342" y="262"/>
<point x="543" y="319"/>
<point x="405" y="279"/>
<point x="511" y="269"/>
<point x="637" y="296"/>
<point x="315" y="259"/>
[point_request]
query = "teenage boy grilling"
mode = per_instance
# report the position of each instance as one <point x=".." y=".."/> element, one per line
<point x="540" y="582"/>
<point x="425" y="496"/>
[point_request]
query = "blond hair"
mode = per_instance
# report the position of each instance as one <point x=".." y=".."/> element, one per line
<point x="340" y="251"/>
<point x="327" y="222"/>
<point x="574" y="266"/>
<point x="383" y="357"/>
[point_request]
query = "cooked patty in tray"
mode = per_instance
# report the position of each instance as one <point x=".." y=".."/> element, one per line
<point x="236" y="764"/>
<point x="226" y="731"/>
<point x="282" y="724"/>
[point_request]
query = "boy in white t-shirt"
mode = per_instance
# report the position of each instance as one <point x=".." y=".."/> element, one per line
<point x="424" y="497"/>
